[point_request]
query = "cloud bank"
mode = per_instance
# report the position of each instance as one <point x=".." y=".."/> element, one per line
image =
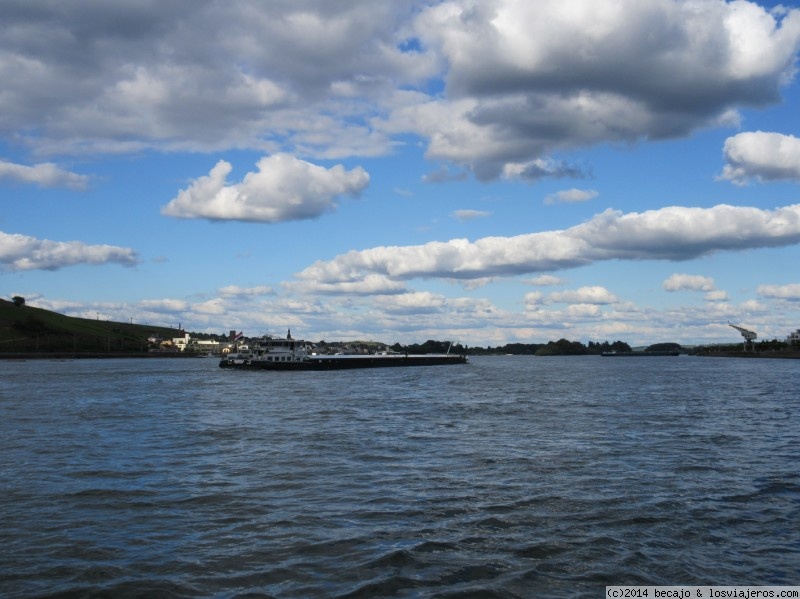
<point x="526" y="79"/>
<point x="45" y="175"/>
<point x="21" y="252"/>
<point x="784" y="292"/>
<point x="673" y="233"/>
<point x="495" y="87"/>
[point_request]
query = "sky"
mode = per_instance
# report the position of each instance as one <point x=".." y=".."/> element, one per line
<point x="487" y="172"/>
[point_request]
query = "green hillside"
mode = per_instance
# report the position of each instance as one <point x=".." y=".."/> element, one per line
<point x="26" y="329"/>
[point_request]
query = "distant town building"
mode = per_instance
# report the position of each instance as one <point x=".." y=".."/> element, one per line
<point x="181" y="342"/>
<point x="794" y="337"/>
<point x="204" y="345"/>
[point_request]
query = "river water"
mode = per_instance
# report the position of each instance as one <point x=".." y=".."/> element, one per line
<point x="507" y="477"/>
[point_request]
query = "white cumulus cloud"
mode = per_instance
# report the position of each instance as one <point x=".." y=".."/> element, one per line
<point x="545" y="281"/>
<point x="369" y="284"/>
<point x="417" y="302"/>
<point x="717" y="295"/>
<point x="283" y="188"/>
<point x="235" y="290"/>
<point x="585" y="295"/>
<point x="762" y="156"/>
<point x="684" y="282"/>
<point x="583" y="311"/>
<point x="533" y="300"/>
<point x="787" y="292"/>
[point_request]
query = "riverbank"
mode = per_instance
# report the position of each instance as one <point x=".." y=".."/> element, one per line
<point x="777" y="354"/>
<point x="91" y="355"/>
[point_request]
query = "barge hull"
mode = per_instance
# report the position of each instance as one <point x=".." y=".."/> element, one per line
<point x="346" y="362"/>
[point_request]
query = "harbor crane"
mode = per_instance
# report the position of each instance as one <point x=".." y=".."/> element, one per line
<point x="749" y="336"/>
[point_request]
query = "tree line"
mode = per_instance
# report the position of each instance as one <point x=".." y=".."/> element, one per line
<point x="562" y="347"/>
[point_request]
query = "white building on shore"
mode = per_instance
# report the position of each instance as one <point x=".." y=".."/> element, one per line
<point x="202" y="346"/>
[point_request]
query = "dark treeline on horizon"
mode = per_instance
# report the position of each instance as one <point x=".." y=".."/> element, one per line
<point x="562" y="347"/>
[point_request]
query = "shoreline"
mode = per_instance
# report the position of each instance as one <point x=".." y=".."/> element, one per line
<point x="775" y="355"/>
<point x="90" y="355"/>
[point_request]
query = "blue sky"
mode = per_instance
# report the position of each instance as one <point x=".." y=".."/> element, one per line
<point x="489" y="172"/>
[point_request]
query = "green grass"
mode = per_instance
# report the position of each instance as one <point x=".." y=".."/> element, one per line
<point x="28" y="329"/>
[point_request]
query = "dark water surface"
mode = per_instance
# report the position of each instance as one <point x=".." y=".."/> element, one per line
<point x="507" y="477"/>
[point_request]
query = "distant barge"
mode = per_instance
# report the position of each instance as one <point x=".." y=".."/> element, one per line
<point x="273" y="353"/>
